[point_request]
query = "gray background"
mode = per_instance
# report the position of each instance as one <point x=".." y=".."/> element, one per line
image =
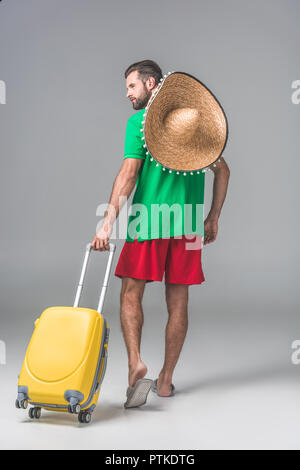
<point x="62" y="137"/>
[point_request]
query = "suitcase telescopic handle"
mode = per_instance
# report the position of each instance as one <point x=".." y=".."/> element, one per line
<point x="112" y="248"/>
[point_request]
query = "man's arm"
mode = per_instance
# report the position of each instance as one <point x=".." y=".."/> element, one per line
<point x="221" y="178"/>
<point x="123" y="186"/>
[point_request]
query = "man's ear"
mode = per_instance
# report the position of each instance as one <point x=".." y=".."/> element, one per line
<point x="151" y="82"/>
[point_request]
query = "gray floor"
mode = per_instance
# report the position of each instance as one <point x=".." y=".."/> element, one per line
<point x="236" y="389"/>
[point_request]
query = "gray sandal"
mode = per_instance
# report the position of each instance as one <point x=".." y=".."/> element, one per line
<point x="154" y="389"/>
<point x="137" y="395"/>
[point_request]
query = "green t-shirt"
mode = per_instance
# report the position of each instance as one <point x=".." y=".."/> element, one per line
<point x="165" y="204"/>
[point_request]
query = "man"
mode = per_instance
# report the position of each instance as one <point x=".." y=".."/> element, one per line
<point x="144" y="258"/>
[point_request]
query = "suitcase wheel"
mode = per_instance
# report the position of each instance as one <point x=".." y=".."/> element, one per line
<point x="84" y="417"/>
<point x="74" y="409"/>
<point x="21" y="403"/>
<point x="34" y="413"/>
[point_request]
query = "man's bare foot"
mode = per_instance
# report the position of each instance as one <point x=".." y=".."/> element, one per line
<point x="136" y="371"/>
<point x="164" y="385"/>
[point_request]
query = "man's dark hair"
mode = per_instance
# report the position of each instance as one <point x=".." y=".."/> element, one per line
<point x="146" y="69"/>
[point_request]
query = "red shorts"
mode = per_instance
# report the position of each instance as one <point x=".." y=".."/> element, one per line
<point x="179" y="257"/>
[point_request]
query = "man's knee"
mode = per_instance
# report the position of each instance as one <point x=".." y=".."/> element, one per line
<point x="132" y="288"/>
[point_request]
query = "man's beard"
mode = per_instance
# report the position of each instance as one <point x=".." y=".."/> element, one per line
<point x="141" y="103"/>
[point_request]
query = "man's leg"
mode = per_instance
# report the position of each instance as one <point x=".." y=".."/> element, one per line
<point x="132" y="319"/>
<point x="176" y="328"/>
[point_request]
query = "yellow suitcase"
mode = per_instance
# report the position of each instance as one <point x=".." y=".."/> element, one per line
<point x="66" y="358"/>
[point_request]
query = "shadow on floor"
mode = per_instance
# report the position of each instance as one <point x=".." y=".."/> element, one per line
<point x="240" y="377"/>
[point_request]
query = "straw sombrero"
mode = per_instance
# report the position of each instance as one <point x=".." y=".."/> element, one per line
<point x="184" y="128"/>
